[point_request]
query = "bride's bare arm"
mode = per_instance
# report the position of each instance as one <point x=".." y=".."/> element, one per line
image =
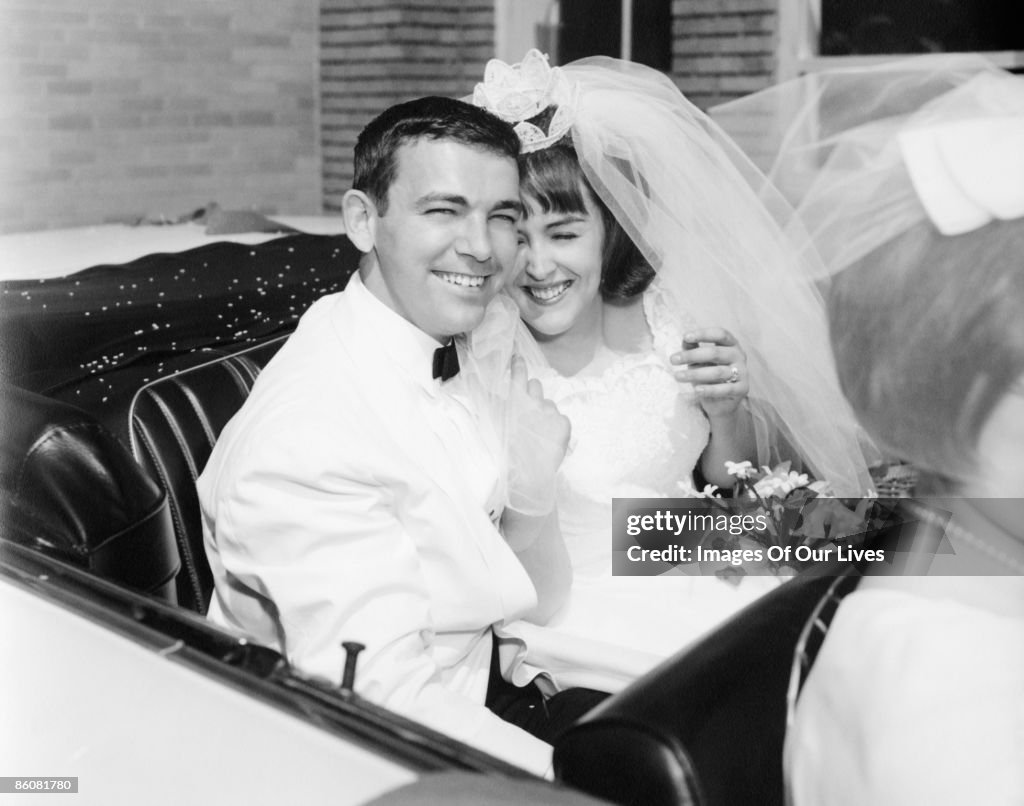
<point x="732" y="440"/>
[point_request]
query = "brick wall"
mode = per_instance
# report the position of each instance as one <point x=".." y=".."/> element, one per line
<point x="375" y="53"/>
<point x="723" y="49"/>
<point x="119" y="108"/>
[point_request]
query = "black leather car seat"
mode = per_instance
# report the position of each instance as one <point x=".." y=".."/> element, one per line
<point x="705" y="727"/>
<point x="70" y="489"/>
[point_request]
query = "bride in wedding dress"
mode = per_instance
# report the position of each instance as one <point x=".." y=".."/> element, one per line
<point x="676" y="326"/>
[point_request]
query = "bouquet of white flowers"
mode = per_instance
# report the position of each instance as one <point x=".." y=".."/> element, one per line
<point x="803" y="522"/>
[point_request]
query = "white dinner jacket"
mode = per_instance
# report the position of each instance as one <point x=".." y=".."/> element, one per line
<point x="331" y="514"/>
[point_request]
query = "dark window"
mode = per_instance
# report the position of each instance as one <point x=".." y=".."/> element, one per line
<point x="652" y="33"/>
<point x="594" y="28"/>
<point x="919" y="26"/>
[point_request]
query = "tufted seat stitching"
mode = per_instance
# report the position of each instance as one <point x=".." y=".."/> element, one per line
<point x="243" y="355"/>
<point x="148" y="441"/>
<point x="254" y="370"/>
<point x="184" y="545"/>
<point x="184" y="549"/>
<point x="175" y="428"/>
<point x="197" y="409"/>
<point x="231" y="366"/>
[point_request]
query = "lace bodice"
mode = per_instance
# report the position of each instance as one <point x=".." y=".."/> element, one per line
<point x="636" y="432"/>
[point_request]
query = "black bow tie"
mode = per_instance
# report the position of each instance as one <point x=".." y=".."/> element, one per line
<point x="446" y="361"/>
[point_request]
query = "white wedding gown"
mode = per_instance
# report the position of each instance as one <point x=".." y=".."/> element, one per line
<point x="636" y="433"/>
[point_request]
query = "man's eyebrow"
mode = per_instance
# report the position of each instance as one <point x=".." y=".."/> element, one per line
<point x="449" y="198"/>
<point x="510" y="204"/>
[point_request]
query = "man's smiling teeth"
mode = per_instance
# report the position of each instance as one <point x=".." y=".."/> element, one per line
<point x="548" y="293"/>
<point x="467" y="280"/>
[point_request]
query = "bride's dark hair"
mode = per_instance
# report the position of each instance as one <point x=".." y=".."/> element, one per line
<point x="553" y="178"/>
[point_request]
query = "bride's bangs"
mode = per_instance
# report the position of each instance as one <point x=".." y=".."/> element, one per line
<point x="552" y="178"/>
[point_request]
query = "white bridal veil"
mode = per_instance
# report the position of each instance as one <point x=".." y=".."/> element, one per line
<point x="864" y="153"/>
<point x="696" y="207"/>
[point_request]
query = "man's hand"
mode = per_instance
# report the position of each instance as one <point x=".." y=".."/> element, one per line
<point x="538" y="436"/>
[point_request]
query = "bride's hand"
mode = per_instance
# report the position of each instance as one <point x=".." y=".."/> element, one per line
<point x="716" y="366"/>
<point x="537" y="441"/>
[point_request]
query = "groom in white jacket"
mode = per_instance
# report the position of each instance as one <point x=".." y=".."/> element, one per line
<point x="359" y="494"/>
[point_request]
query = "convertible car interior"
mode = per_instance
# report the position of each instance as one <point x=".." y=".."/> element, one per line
<point x="110" y="413"/>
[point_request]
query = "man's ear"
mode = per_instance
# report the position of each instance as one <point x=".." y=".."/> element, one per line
<point x="360" y="214"/>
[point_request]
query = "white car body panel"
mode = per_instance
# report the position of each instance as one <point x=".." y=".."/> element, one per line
<point x="138" y="726"/>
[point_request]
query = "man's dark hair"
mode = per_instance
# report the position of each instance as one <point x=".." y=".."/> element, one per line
<point x="433" y="118"/>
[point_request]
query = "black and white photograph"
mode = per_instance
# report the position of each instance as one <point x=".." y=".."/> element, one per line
<point x="512" y="402"/>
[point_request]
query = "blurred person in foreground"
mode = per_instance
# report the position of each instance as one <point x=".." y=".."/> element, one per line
<point x="909" y="180"/>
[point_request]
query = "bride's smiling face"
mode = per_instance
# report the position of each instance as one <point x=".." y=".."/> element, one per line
<point x="557" y="281"/>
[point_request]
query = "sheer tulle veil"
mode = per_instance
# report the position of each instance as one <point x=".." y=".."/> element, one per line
<point x="869" y="154"/>
<point x="836" y="145"/>
<point x="700" y="212"/>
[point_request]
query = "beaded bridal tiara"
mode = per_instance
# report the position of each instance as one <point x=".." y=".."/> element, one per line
<point x="518" y="92"/>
